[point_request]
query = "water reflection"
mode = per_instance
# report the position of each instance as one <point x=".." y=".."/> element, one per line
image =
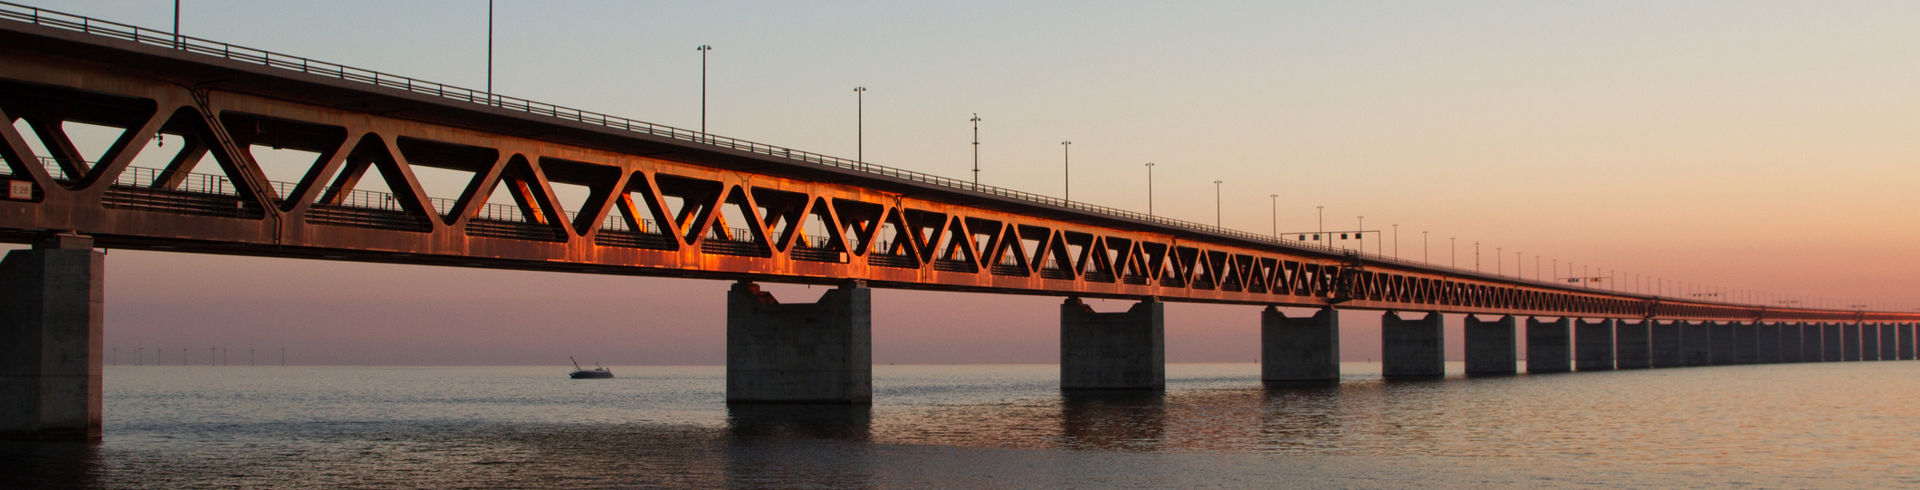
<point x="1113" y="419"/>
<point x="1294" y="417"/>
<point x="37" y="464"/>
<point x="747" y="422"/>
<point x="798" y="445"/>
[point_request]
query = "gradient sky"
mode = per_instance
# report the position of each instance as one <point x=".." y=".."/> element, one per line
<point x="1750" y="146"/>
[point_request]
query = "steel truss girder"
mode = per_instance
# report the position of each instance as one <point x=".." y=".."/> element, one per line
<point x="648" y="214"/>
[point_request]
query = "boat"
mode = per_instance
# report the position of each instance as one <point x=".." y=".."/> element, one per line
<point x="598" y="371"/>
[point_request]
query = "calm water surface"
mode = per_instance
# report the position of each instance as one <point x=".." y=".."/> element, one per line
<point x="1800" y="425"/>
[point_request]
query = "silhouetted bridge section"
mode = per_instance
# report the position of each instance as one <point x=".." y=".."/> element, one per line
<point x="535" y="186"/>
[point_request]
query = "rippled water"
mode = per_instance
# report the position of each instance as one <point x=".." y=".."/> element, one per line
<point x="1801" y="425"/>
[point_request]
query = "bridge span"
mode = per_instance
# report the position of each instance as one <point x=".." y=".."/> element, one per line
<point x="661" y="201"/>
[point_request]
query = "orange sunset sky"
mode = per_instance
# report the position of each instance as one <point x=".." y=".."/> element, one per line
<point x="1762" y="149"/>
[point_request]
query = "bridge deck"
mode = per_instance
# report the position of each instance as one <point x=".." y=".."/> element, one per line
<point x="658" y="200"/>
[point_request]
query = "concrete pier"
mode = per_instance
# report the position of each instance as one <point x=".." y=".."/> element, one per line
<point x="1889" y="342"/>
<point x="1791" y="348"/>
<point x="1633" y="348"/>
<point x="1769" y="335"/>
<point x="1593" y="345"/>
<point x="1666" y="340"/>
<point x="1724" y="351"/>
<point x="818" y="352"/>
<point x="1850" y="342"/>
<point x="1697" y="343"/>
<point x="1124" y="350"/>
<point x="1906" y="340"/>
<point x="1490" y="346"/>
<point x="1869" y="341"/>
<point x="1547" y="345"/>
<point x="1746" y="343"/>
<point x="1294" y="350"/>
<point x="51" y="319"/>
<point x="1832" y="349"/>
<point x="1813" y="341"/>
<point x="1412" y="348"/>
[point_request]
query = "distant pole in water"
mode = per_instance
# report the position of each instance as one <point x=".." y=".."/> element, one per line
<point x="213" y="356"/>
<point x="250" y="357"/>
<point x="283" y="356"/>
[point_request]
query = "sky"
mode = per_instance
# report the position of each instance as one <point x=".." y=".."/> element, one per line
<point x="1763" y="149"/>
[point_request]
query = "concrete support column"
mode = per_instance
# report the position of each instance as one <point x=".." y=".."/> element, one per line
<point x="1667" y="351"/>
<point x="1850" y="342"/>
<point x="1832" y="347"/>
<point x="1791" y="343"/>
<point x="1906" y="340"/>
<point x="1593" y="345"/>
<point x="1413" y="348"/>
<point x="1889" y="342"/>
<point x="1294" y="350"/>
<point x="818" y="352"/>
<point x="1812" y="343"/>
<point x="51" y="310"/>
<point x="1547" y="345"/>
<point x="1699" y="343"/>
<point x="1633" y="348"/>
<point x="1869" y="341"/>
<point x="1490" y="346"/>
<point x="1769" y="339"/>
<point x="1125" y="350"/>
<point x="1723" y="338"/>
<point x="1746" y="343"/>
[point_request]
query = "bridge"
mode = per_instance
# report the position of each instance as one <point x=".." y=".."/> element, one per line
<point x="595" y="193"/>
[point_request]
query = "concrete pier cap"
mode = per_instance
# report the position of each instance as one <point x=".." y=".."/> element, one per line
<point x="1299" y="350"/>
<point x="820" y="352"/>
<point x="51" y="319"/>
<point x="1113" y="351"/>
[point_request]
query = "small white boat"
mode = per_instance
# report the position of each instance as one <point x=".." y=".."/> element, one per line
<point x="598" y="371"/>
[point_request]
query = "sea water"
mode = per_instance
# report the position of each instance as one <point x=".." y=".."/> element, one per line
<point x="1006" y="426"/>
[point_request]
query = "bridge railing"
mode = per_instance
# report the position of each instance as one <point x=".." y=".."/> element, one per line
<point x="190" y="44"/>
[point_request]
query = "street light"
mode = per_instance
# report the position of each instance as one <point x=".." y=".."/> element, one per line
<point x="1066" y="170"/>
<point x="1322" y="219"/>
<point x="1362" y="244"/>
<point x="1216" y="204"/>
<point x="1425" y="258"/>
<point x="1149" y="188"/>
<point x="703" y="49"/>
<point x="860" y="125"/>
<point x="176" y="36"/>
<point x="1498" y="266"/>
<point x="1276" y="214"/>
<point x="976" y="149"/>
<point x="1396" y="241"/>
<point x="178" y="45"/>
<point x="1453" y="252"/>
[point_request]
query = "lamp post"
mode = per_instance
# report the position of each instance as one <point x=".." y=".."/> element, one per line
<point x="976" y="149"/>
<point x="1476" y="256"/>
<point x="1425" y="258"/>
<point x="176" y="30"/>
<point x="1066" y="170"/>
<point x="1453" y="252"/>
<point x="1149" y="188"/>
<point x="177" y="45"/>
<point x="703" y="49"/>
<point x="1396" y="241"/>
<point x="1216" y="204"/>
<point x="1322" y="220"/>
<point x="1276" y="214"/>
<point x="860" y="125"/>
<point x="1498" y="263"/>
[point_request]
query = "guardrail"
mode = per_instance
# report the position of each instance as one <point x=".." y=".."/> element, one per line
<point x="243" y="54"/>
